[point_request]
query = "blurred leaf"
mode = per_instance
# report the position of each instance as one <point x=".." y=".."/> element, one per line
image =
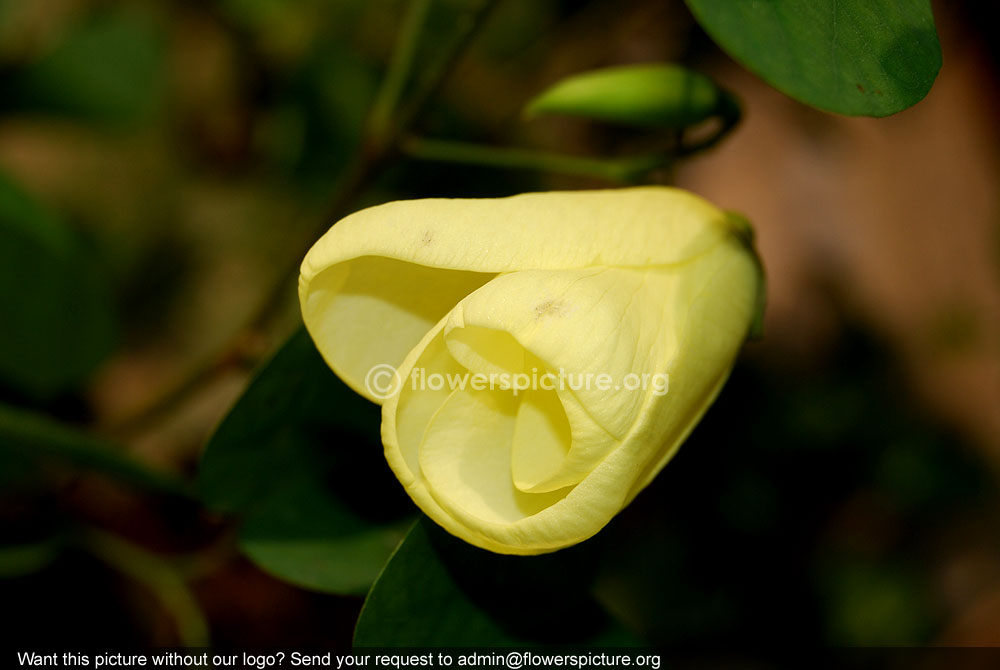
<point x="875" y="604"/>
<point x="29" y="437"/>
<point x="300" y="457"/>
<point x="438" y="590"/>
<point x="270" y="15"/>
<point x="108" y="68"/>
<point x="847" y="56"/>
<point x="257" y="13"/>
<point x="17" y="472"/>
<point x="923" y="473"/>
<point x="326" y="104"/>
<point x="25" y="559"/>
<point x="659" y="95"/>
<point x="56" y="306"/>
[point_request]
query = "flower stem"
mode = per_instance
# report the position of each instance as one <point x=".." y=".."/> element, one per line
<point x="622" y="170"/>
<point x="163" y="581"/>
<point x="398" y="73"/>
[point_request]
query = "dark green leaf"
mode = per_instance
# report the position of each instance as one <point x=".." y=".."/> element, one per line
<point x="852" y="57"/>
<point x="656" y="94"/>
<point x="56" y="305"/>
<point x="325" y="111"/>
<point x="300" y="457"/>
<point x="438" y="590"/>
<point x="107" y="68"/>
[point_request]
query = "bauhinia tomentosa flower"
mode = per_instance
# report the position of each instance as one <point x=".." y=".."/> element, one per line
<point x="621" y="286"/>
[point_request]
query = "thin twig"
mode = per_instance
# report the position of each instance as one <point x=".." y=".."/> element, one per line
<point x="621" y="170"/>
<point x="375" y="151"/>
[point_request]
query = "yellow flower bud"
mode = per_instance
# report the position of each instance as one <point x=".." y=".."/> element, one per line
<point x="592" y="330"/>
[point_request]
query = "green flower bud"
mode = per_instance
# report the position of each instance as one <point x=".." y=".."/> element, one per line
<point x="652" y="95"/>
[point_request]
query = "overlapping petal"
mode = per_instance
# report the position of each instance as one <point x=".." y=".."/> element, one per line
<point x="633" y="282"/>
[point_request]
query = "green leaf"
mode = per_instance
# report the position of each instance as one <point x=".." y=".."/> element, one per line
<point x="439" y="591"/>
<point x="108" y="68"/>
<point x="853" y="57"/>
<point x="658" y="95"/>
<point x="55" y="301"/>
<point x="28" y="439"/>
<point x="300" y="458"/>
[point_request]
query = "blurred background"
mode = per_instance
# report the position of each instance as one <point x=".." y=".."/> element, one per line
<point x="176" y="158"/>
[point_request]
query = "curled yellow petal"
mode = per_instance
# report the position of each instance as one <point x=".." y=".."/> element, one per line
<point x="551" y="350"/>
